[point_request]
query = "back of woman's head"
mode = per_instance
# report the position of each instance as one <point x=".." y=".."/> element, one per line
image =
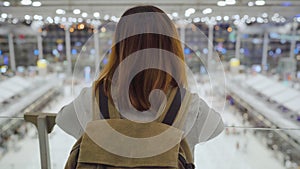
<point x="148" y="40"/>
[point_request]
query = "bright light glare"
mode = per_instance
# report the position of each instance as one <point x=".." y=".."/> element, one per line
<point x="4" y="15"/>
<point x="84" y="14"/>
<point x="36" y="3"/>
<point x="96" y="14"/>
<point x="226" y="18"/>
<point x="221" y="3"/>
<point x="230" y="2"/>
<point x="207" y="11"/>
<point x="260" y="2"/>
<point x="76" y="11"/>
<point x="26" y="2"/>
<point x="6" y="3"/>
<point x="197" y="19"/>
<point x="250" y="4"/>
<point x="106" y="17"/>
<point x="60" y="12"/>
<point x="264" y="15"/>
<point x="175" y="14"/>
<point x="49" y="19"/>
<point x="27" y="17"/>
<point x="189" y="11"/>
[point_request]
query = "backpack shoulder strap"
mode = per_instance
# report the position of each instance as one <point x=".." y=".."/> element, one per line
<point x="174" y="108"/>
<point x="107" y="109"/>
<point x="103" y="102"/>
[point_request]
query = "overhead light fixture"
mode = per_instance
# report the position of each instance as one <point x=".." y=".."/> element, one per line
<point x="175" y="14"/>
<point x="196" y="20"/>
<point x="84" y="14"/>
<point x="60" y="12"/>
<point x="6" y="3"/>
<point x="4" y="15"/>
<point x="250" y="3"/>
<point x="189" y="12"/>
<point x="207" y="11"/>
<point x="80" y="20"/>
<point x="226" y="18"/>
<point x="76" y="11"/>
<point x="36" y="3"/>
<point x="27" y="17"/>
<point x="219" y="18"/>
<point x="230" y="2"/>
<point x="264" y="15"/>
<point x="96" y="14"/>
<point x="260" y="2"/>
<point x="49" y="19"/>
<point x="37" y="17"/>
<point x="221" y="3"/>
<point x="106" y="17"/>
<point x="26" y="2"/>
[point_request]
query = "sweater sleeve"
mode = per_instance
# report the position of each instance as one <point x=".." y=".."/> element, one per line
<point x="73" y="117"/>
<point x="208" y="123"/>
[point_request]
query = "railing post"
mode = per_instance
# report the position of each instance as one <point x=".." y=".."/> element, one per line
<point x="44" y="123"/>
<point x="43" y="141"/>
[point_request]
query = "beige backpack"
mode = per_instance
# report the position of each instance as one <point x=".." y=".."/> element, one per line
<point x="87" y="153"/>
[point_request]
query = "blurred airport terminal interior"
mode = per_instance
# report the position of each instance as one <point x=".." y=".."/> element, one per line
<point x="244" y="56"/>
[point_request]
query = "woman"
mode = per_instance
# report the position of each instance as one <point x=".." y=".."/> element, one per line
<point x="146" y="56"/>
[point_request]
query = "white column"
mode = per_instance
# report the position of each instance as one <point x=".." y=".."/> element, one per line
<point x="293" y="40"/>
<point x="68" y="48"/>
<point x="265" y="50"/>
<point x="97" y="47"/>
<point x="40" y="45"/>
<point x="210" y="39"/>
<point x="182" y="34"/>
<point x="238" y="44"/>
<point x="210" y="44"/>
<point x="12" y="60"/>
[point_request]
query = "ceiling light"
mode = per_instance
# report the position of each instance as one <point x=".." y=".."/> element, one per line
<point x="226" y="18"/>
<point x="26" y="2"/>
<point x="60" y="12"/>
<point x="84" y="14"/>
<point x="230" y="2"/>
<point x="36" y="3"/>
<point x="27" y="17"/>
<point x="6" y="3"/>
<point x="15" y="20"/>
<point x="80" y="20"/>
<point x="37" y="17"/>
<point x="207" y="11"/>
<point x="260" y="2"/>
<point x="4" y="15"/>
<point x="175" y="14"/>
<point x="260" y="20"/>
<point x="76" y="11"/>
<point x="106" y="17"/>
<point x="219" y="18"/>
<point x="49" y="19"/>
<point x="250" y="4"/>
<point x="221" y="3"/>
<point x="97" y="15"/>
<point x="264" y="15"/>
<point x="196" y="19"/>
<point x="189" y="11"/>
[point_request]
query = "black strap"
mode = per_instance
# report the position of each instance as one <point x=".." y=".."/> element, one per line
<point x="174" y="108"/>
<point x="170" y="115"/>
<point x="184" y="163"/>
<point x="103" y="105"/>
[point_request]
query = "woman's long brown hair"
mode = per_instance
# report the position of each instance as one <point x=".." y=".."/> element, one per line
<point x="147" y="80"/>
